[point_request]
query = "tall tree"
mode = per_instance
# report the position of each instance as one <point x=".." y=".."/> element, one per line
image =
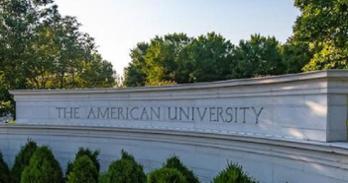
<point x="39" y="48"/>
<point x="258" y="56"/>
<point x="207" y="58"/>
<point x="324" y="26"/>
<point x="161" y="58"/>
<point x="135" y="71"/>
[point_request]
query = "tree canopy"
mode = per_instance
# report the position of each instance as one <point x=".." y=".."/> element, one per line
<point x="39" y="48"/>
<point x="323" y="26"/>
<point x="177" y="58"/>
<point x="319" y="41"/>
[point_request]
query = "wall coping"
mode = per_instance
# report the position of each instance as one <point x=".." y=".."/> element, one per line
<point x="315" y="75"/>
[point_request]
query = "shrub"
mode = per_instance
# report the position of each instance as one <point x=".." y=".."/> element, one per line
<point x="93" y="155"/>
<point x="125" y="170"/>
<point x="166" y="175"/>
<point x="174" y="162"/>
<point x="22" y="160"/>
<point x="42" y="168"/>
<point x="103" y="177"/>
<point x="4" y="171"/>
<point x="233" y="173"/>
<point x="83" y="170"/>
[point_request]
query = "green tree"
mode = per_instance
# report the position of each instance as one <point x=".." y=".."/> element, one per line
<point x="83" y="171"/>
<point x="323" y="26"/>
<point x="42" y="168"/>
<point x="258" y="56"/>
<point x="22" y="160"/>
<point x="233" y="173"/>
<point x="4" y="171"/>
<point x="135" y="72"/>
<point x="295" y="56"/>
<point x="39" y="48"/>
<point x="125" y="170"/>
<point x="206" y="58"/>
<point x="161" y="58"/>
<point x="166" y="175"/>
<point x="174" y="162"/>
<point x="93" y="155"/>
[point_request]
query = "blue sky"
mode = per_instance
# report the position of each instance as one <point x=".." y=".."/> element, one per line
<point x="117" y="25"/>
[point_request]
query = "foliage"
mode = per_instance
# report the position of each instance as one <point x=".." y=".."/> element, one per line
<point x="329" y="57"/>
<point x="135" y="72"/>
<point x="295" y="55"/>
<point x="4" y="171"/>
<point x="83" y="171"/>
<point x="258" y="56"/>
<point x="103" y="177"/>
<point x="166" y="175"/>
<point x="207" y="58"/>
<point x="233" y="173"/>
<point x="22" y="160"/>
<point x="125" y="170"/>
<point x="174" y="162"/>
<point x="177" y="58"/>
<point x="93" y="155"/>
<point x="39" y="48"/>
<point x="323" y="25"/>
<point x="42" y="168"/>
<point x="161" y="61"/>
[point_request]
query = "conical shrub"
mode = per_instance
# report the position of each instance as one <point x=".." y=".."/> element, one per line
<point x="93" y="155"/>
<point x="22" y="160"/>
<point x="42" y="168"/>
<point x="166" y="175"/>
<point x="233" y="173"/>
<point x="125" y="170"/>
<point x="83" y="170"/>
<point x="174" y="162"/>
<point x="4" y="171"/>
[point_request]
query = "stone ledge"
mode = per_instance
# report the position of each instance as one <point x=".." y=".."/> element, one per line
<point x="328" y="74"/>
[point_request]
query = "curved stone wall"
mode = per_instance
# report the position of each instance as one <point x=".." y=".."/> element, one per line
<point x="290" y="128"/>
<point x="268" y="160"/>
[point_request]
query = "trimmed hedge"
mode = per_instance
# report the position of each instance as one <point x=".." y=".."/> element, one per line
<point x="124" y="170"/>
<point x="22" y="160"/>
<point x="233" y="173"/>
<point x="83" y="170"/>
<point x="174" y="162"/>
<point x="42" y="168"/>
<point x="35" y="164"/>
<point x="4" y="171"/>
<point x="93" y="155"/>
<point x="166" y="175"/>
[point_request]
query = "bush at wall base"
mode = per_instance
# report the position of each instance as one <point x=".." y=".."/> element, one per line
<point x="83" y="170"/>
<point x="166" y="175"/>
<point x="174" y="162"/>
<point x="233" y="173"/>
<point x="22" y="160"/>
<point x="93" y="155"/>
<point x="124" y="170"/>
<point x="42" y="168"/>
<point x="4" y="171"/>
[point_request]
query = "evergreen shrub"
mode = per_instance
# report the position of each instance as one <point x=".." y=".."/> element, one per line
<point x="233" y="173"/>
<point x="166" y="175"/>
<point x="83" y="170"/>
<point x="93" y="155"/>
<point x="124" y="170"/>
<point x="42" y="168"/>
<point x="174" y="162"/>
<point x="22" y="160"/>
<point x="4" y="171"/>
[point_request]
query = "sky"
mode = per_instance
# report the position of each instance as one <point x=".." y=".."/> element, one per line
<point x="118" y="25"/>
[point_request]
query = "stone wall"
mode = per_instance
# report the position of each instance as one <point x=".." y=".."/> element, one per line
<point x="289" y="128"/>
